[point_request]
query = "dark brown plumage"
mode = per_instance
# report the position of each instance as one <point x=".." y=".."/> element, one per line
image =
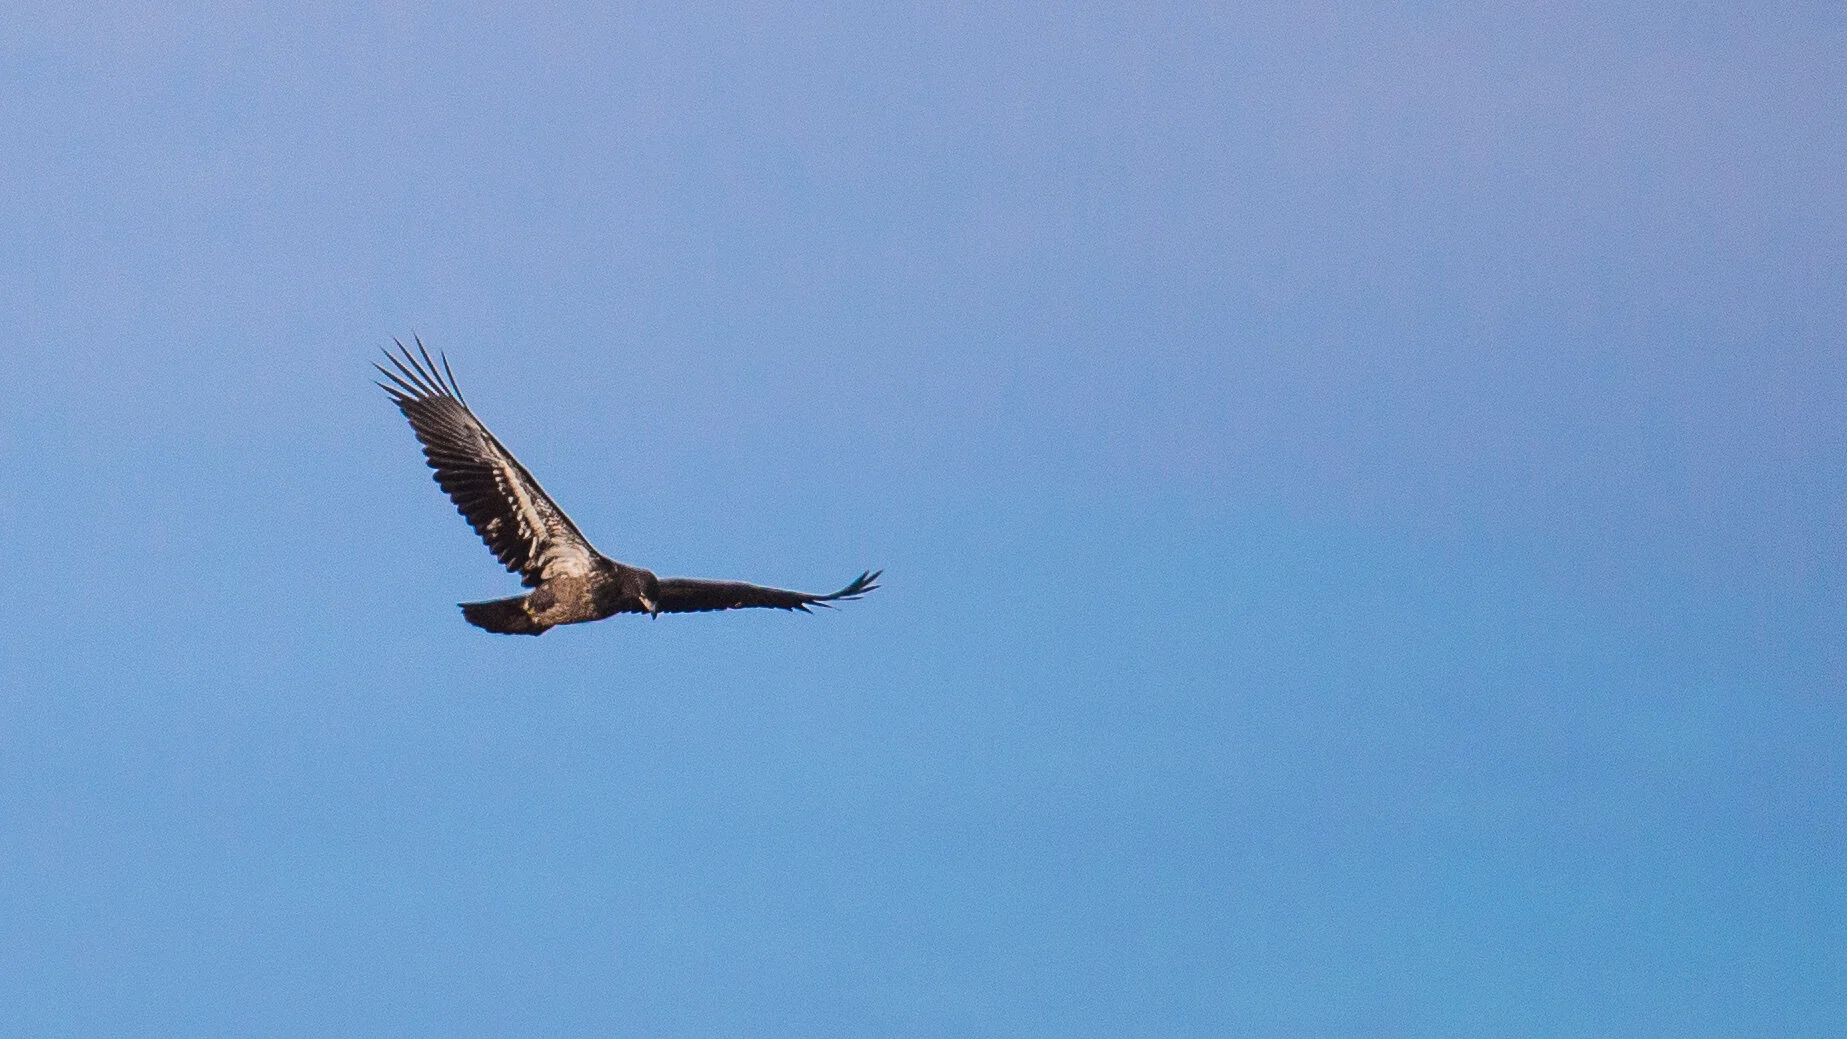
<point x="571" y="582"/>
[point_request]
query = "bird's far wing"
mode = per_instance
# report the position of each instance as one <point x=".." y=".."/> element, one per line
<point x="520" y="523"/>
<point x="690" y="595"/>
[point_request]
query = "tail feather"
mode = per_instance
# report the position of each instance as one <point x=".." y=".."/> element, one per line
<point x="506" y="616"/>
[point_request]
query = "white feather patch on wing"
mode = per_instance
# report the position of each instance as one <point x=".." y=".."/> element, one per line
<point x="553" y="545"/>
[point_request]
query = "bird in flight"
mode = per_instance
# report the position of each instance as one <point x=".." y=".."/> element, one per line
<point x="571" y="582"/>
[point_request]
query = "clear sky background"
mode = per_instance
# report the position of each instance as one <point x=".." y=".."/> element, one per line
<point x="1362" y="489"/>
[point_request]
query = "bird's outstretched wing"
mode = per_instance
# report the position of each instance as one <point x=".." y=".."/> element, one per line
<point x="690" y="595"/>
<point x="520" y="523"/>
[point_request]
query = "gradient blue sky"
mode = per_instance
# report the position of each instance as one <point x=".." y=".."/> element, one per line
<point x="1363" y="491"/>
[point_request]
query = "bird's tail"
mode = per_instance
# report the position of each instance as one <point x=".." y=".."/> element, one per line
<point x="506" y="616"/>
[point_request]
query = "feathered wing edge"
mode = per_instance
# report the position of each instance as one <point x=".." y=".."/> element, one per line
<point x="513" y="515"/>
<point x="692" y="595"/>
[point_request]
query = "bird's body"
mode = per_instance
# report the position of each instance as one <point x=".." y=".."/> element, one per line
<point x="570" y="599"/>
<point x="571" y="581"/>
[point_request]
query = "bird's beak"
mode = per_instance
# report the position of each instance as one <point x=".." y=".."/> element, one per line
<point x="648" y="604"/>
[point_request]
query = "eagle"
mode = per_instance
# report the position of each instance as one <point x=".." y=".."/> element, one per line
<point x="571" y="582"/>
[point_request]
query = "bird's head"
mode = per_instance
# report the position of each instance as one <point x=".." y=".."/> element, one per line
<point x="648" y="592"/>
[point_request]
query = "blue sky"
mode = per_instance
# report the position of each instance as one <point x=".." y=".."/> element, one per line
<point x="1361" y="489"/>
